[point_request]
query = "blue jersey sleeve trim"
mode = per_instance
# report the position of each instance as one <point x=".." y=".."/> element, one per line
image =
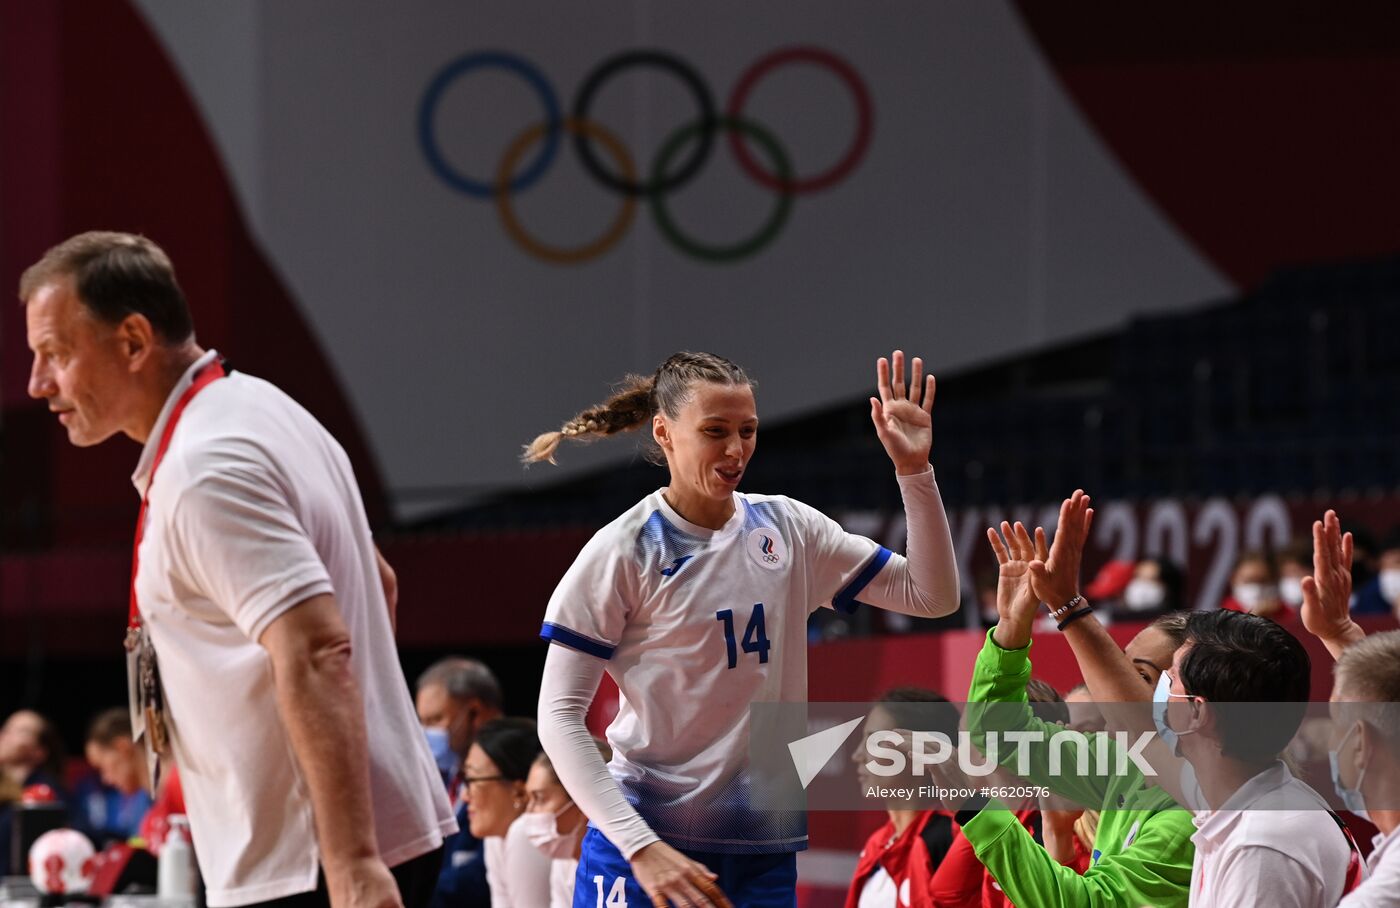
<point x="845" y="601"/>
<point x="557" y="633"/>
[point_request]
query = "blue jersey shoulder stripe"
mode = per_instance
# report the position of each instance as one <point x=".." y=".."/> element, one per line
<point x="845" y="600"/>
<point x="557" y="633"/>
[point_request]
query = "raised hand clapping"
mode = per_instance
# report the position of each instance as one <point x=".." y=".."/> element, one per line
<point x="904" y="417"/>
<point x="1327" y="593"/>
<point x="1016" y="600"/>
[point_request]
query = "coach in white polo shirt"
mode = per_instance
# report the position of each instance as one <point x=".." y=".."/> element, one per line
<point x="260" y="588"/>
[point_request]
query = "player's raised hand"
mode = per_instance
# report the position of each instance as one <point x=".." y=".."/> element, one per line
<point x="1016" y="600"/>
<point x="670" y="878"/>
<point x="1327" y="593"/>
<point x="903" y="415"/>
<point x="1055" y="576"/>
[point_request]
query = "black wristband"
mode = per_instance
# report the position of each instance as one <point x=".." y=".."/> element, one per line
<point x="1073" y="618"/>
<point x="971" y="808"/>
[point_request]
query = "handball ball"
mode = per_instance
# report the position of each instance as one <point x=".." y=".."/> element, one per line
<point x="62" y="861"/>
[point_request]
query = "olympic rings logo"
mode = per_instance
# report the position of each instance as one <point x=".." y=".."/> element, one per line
<point x="678" y="160"/>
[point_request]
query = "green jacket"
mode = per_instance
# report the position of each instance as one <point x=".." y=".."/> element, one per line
<point x="1142" y="851"/>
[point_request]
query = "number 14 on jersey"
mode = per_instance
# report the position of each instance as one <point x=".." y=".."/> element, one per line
<point x="755" y="635"/>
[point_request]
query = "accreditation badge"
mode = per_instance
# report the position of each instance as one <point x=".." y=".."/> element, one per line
<point x="145" y="701"/>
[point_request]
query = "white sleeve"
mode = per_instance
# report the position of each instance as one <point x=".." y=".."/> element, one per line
<point x="570" y="681"/>
<point x="590" y="607"/>
<point x="236" y="537"/>
<point x="848" y="569"/>
<point x="1259" y="875"/>
<point x="1382" y="888"/>
<point x="925" y="582"/>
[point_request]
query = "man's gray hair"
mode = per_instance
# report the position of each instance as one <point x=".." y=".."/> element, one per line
<point x="1369" y="671"/>
<point x="463" y="679"/>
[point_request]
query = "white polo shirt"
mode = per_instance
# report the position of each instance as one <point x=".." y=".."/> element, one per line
<point x="255" y="509"/>
<point x="1381" y="888"/>
<point x="1272" y="843"/>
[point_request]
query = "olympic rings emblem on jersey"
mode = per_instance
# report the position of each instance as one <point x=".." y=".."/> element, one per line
<point x="766" y="548"/>
<point x="679" y="159"/>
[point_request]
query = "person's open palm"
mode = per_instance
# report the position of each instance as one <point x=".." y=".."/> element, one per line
<point x="1055" y="578"/>
<point x="1326" y="610"/>
<point x="903" y="415"/>
<point x="1016" y="600"/>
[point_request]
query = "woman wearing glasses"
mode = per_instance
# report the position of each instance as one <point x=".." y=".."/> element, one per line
<point x="497" y="766"/>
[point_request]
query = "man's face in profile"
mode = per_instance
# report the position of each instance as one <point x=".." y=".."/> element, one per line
<point x="78" y="367"/>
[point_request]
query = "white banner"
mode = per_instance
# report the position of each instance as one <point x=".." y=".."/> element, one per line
<point x="946" y="196"/>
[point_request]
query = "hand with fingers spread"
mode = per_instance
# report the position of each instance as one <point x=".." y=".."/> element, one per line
<point x="903" y="416"/>
<point x="1055" y="579"/>
<point x="671" y="878"/>
<point x="1017" y="602"/>
<point x="1327" y="593"/>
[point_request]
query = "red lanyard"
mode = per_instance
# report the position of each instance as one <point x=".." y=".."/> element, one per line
<point x="214" y="370"/>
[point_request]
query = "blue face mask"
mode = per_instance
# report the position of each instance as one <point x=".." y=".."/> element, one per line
<point x="1160" y="698"/>
<point x="438" y="742"/>
<point x="1351" y="797"/>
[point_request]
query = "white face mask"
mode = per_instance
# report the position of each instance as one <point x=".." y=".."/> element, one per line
<point x="1252" y="595"/>
<point x="1290" y="590"/>
<point x="542" y="829"/>
<point x="1351" y="797"/>
<point x="1143" y="595"/>
<point x="1390" y="585"/>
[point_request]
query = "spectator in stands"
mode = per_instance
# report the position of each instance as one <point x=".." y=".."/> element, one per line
<point x="1381" y="594"/>
<point x="115" y="801"/>
<point x="1294" y="563"/>
<point x="1263" y="836"/>
<point x="497" y="766"/>
<point x="1365" y="706"/>
<point x="454" y="697"/>
<point x="1156" y="589"/>
<point x="986" y="585"/>
<point x="554" y="824"/>
<point x="122" y="765"/>
<point x="1365" y="563"/>
<point x="1142" y="849"/>
<point x="918" y="847"/>
<point x="31" y="753"/>
<point x="1254" y="588"/>
<point x="1110" y="584"/>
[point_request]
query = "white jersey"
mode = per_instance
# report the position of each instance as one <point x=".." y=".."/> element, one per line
<point x="697" y="624"/>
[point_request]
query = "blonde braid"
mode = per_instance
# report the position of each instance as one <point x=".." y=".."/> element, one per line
<point x="628" y="409"/>
<point x="638" y="400"/>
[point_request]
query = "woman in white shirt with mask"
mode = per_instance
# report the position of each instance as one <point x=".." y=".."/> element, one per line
<point x="496" y="768"/>
<point x="554" y="824"/>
